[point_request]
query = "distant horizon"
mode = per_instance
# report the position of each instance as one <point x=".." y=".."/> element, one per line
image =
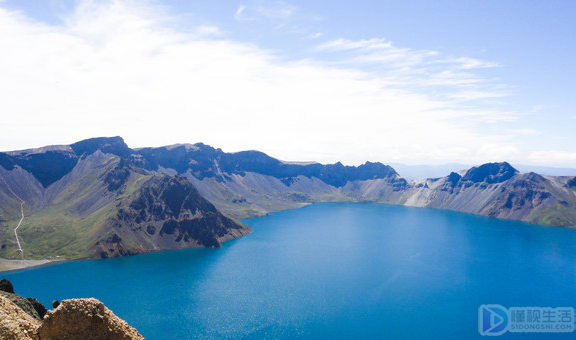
<point x="409" y="82"/>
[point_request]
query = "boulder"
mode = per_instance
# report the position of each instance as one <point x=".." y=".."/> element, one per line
<point x="86" y="319"/>
<point x="6" y="286"/>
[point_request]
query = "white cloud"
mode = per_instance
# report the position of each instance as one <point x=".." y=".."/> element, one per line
<point x="420" y="68"/>
<point x="268" y="10"/>
<point x="560" y="158"/>
<point x="315" y="35"/>
<point x="277" y="10"/>
<point x="345" y="44"/>
<point x="454" y="78"/>
<point x="208" y="31"/>
<point x="528" y="132"/>
<point x="476" y="95"/>
<point x="115" y="69"/>
<point x="498" y="152"/>
<point x="472" y="63"/>
<point x="239" y="15"/>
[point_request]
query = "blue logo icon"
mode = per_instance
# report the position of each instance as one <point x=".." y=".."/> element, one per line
<point x="492" y="320"/>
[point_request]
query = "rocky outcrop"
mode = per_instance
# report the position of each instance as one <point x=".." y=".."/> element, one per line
<point x="29" y="305"/>
<point x="23" y="303"/>
<point x="6" y="286"/>
<point x="86" y="319"/>
<point x="15" y="324"/>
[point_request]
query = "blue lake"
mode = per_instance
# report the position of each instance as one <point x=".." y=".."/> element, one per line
<point x="331" y="271"/>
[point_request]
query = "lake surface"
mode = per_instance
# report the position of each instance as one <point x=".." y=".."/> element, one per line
<point x="331" y="271"/>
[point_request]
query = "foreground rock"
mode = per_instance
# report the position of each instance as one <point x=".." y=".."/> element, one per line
<point x="24" y="304"/>
<point x="16" y="324"/>
<point x="86" y="319"/>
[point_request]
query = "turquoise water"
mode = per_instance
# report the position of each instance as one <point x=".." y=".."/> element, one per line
<point x="331" y="271"/>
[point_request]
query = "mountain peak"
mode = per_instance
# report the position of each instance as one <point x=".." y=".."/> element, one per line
<point x="382" y="169"/>
<point x="491" y="173"/>
<point x="572" y="183"/>
<point x="113" y="145"/>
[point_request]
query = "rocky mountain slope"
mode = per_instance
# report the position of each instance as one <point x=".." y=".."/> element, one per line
<point x="494" y="189"/>
<point x="93" y="200"/>
<point x="251" y="184"/>
<point x="99" y="198"/>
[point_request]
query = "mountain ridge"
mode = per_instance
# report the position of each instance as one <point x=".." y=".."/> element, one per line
<point x="99" y="198"/>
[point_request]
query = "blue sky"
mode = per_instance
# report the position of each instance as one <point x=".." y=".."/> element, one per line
<point x="417" y="82"/>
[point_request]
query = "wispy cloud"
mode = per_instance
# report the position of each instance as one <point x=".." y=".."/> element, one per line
<point x="240" y="15"/>
<point x="315" y="35"/>
<point x="423" y="68"/>
<point x="528" y="132"/>
<point x="498" y="152"/>
<point x="547" y="157"/>
<point x="276" y="10"/>
<point x="208" y="31"/>
<point x="365" y="44"/>
<point x="476" y="95"/>
<point x="114" y="68"/>
<point x="471" y="63"/>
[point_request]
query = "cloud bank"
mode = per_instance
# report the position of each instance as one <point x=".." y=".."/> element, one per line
<point x="122" y="68"/>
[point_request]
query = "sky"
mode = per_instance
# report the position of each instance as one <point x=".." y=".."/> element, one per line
<point x="414" y="82"/>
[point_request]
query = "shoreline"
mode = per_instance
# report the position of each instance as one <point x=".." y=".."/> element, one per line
<point x="12" y="265"/>
<point x="8" y="265"/>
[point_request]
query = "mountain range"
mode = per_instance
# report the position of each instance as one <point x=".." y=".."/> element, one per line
<point x="433" y="171"/>
<point x="99" y="198"/>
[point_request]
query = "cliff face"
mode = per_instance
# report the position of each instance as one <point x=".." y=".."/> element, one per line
<point x="165" y="213"/>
